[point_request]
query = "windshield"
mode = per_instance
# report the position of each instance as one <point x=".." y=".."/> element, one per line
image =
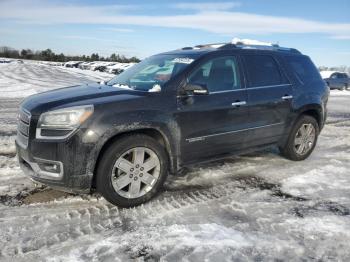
<point x="152" y="73"/>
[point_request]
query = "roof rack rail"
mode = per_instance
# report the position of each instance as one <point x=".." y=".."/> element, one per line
<point x="242" y="45"/>
<point x="273" y="47"/>
<point x="228" y="46"/>
<point x="213" y="45"/>
<point x="287" y="49"/>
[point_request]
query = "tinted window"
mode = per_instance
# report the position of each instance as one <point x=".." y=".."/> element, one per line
<point x="218" y="74"/>
<point x="263" y="71"/>
<point x="303" y="67"/>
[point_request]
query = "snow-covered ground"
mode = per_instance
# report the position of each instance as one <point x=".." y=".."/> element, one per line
<point x="258" y="207"/>
<point x="21" y="80"/>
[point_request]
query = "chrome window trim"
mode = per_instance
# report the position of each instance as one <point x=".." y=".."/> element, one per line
<point x="211" y="93"/>
<point x="260" y="87"/>
<point x="226" y="91"/>
<point x="201" y="138"/>
<point x="238" y="89"/>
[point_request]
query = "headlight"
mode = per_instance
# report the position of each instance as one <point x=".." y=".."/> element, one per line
<point x="62" y="122"/>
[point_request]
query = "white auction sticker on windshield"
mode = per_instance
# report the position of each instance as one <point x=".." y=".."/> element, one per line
<point x="183" y="60"/>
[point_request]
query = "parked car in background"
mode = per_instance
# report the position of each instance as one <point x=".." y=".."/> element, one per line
<point x="85" y="65"/>
<point x="101" y="66"/>
<point x="5" y="60"/>
<point x="336" y="80"/>
<point x="172" y="110"/>
<point x="73" y="64"/>
<point x="119" y="68"/>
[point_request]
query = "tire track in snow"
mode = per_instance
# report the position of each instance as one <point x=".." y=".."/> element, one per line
<point x="63" y="221"/>
<point x="7" y="146"/>
<point x="340" y="122"/>
<point x="91" y="219"/>
<point x="8" y="119"/>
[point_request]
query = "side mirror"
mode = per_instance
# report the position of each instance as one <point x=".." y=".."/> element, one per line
<point x="196" y="89"/>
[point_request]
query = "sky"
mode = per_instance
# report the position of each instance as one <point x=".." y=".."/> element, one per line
<point x="320" y="29"/>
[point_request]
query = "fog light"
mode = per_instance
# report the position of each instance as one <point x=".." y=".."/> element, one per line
<point x="50" y="167"/>
<point x="47" y="169"/>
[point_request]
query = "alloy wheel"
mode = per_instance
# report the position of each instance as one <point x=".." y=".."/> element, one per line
<point x="135" y="172"/>
<point x="304" y="139"/>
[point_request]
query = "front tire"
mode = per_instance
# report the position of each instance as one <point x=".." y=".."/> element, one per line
<point x="302" y="139"/>
<point x="132" y="170"/>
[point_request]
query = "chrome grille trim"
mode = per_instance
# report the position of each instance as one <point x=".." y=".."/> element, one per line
<point x="23" y="127"/>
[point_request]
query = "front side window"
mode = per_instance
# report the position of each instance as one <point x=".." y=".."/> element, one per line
<point x="263" y="70"/>
<point x="218" y="74"/>
<point x="334" y="76"/>
<point x="152" y="72"/>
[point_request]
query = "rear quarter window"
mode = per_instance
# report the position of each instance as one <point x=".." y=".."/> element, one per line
<point x="303" y="68"/>
<point x="263" y="70"/>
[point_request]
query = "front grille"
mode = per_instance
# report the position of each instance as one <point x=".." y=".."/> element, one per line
<point x="23" y="127"/>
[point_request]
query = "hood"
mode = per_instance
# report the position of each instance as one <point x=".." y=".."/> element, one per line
<point x="74" y="95"/>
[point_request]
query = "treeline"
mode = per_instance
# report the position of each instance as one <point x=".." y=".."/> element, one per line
<point x="49" y="55"/>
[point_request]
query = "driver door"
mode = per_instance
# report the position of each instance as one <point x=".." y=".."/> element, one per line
<point x="213" y="123"/>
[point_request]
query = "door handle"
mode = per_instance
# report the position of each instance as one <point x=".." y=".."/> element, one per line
<point x="239" y="103"/>
<point x="287" y="97"/>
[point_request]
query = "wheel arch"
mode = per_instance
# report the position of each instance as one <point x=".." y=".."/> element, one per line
<point x="156" y="134"/>
<point x="315" y="111"/>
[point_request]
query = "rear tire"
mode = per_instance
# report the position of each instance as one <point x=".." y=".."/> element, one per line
<point x="302" y="139"/>
<point x="132" y="170"/>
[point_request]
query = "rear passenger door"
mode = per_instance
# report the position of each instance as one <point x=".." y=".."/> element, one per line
<point x="269" y="98"/>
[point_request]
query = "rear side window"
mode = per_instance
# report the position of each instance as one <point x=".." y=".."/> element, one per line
<point x="263" y="70"/>
<point x="303" y="67"/>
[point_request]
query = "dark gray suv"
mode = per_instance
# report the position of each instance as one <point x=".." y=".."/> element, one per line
<point x="175" y="109"/>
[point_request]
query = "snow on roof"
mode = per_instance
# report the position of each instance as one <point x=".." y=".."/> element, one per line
<point x="239" y="41"/>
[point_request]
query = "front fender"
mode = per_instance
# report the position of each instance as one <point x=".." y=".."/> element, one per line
<point x="108" y="129"/>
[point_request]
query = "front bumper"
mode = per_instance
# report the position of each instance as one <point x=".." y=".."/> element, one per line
<point x="69" y="178"/>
